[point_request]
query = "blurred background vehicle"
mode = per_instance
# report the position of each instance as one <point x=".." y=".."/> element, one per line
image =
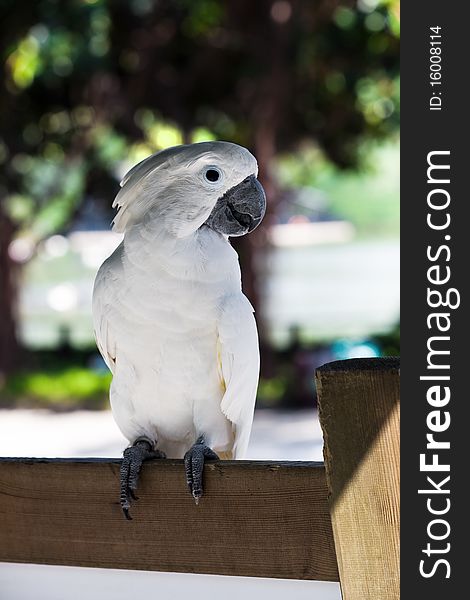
<point x="90" y="87"/>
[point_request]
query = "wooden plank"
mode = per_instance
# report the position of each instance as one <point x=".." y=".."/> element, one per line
<point x="256" y="519"/>
<point x="359" y="413"/>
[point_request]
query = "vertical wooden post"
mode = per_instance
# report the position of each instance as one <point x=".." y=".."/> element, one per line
<point x="359" y="413"/>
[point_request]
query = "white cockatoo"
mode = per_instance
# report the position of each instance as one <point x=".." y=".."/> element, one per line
<point x="170" y="318"/>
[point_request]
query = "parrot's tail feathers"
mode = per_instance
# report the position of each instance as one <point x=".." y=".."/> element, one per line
<point x="241" y="435"/>
<point x="226" y="455"/>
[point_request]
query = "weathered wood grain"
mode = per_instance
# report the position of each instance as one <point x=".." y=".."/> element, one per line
<point x="256" y="519"/>
<point x="359" y="413"/>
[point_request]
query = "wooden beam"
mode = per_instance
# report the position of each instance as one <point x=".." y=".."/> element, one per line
<point x="359" y="414"/>
<point x="256" y="519"/>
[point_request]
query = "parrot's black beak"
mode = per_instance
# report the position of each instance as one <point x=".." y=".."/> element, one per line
<point x="240" y="210"/>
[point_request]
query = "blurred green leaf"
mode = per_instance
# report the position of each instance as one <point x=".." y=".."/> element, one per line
<point x="367" y="197"/>
<point x="69" y="387"/>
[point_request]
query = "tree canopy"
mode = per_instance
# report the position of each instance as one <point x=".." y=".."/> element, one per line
<point x="90" y="83"/>
<point x="91" y="86"/>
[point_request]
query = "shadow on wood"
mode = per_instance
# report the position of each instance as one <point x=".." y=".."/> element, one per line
<point x="359" y="413"/>
<point x="355" y="400"/>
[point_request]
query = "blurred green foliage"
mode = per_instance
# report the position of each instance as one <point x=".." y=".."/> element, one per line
<point x="92" y="86"/>
<point x="389" y="342"/>
<point x="272" y="391"/>
<point x="367" y="196"/>
<point x="71" y="387"/>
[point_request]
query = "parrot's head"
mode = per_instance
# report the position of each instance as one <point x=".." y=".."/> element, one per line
<point x="186" y="187"/>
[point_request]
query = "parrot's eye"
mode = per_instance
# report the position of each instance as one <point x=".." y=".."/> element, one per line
<point x="212" y="175"/>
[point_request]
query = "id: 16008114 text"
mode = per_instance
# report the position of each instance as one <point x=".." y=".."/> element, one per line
<point x="435" y="68"/>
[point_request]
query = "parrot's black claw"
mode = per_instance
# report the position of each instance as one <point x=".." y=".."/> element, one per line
<point x="132" y="460"/>
<point x="194" y="465"/>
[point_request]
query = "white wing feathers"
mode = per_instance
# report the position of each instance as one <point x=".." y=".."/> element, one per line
<point x="239" y="355"/>
<point x="106" y="283"/>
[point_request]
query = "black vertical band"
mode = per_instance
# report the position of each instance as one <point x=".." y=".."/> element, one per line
<point x="435" y="321"/>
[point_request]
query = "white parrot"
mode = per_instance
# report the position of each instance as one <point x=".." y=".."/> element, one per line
<point x="170" y="318"/>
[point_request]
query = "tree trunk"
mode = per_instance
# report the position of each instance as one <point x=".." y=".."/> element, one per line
<point x="253" y="249"/>
<point x="266" y="112"/>
<point x="9" y="348"/>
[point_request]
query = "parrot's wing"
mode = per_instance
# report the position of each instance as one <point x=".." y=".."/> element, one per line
<point x="105" y="290"/>
<point x="239" y="363"/>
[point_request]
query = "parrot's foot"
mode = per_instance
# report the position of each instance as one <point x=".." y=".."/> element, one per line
<point x="194" y="465"/>
<point x="132" y="460"/>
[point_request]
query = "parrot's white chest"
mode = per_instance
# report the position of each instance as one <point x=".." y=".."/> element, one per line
<point x="167" y="383"/>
